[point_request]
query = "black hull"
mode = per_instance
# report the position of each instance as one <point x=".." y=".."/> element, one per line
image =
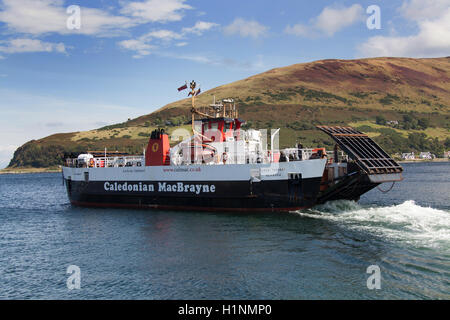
<point x="279" y="195"/>
<point x="351" y="187"/>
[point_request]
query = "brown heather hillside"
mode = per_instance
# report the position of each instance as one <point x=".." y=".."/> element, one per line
<point x="363" y="93"/>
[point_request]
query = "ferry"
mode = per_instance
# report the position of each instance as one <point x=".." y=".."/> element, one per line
<point x="219" y="166"/>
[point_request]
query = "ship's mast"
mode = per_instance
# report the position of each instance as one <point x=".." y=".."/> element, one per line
<point x="193" y="93"/>
<point x="194" y="111"/>
<point x="218" y="108"/>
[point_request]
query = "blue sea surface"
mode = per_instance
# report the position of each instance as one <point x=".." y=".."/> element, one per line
<point x="320" y="253"/>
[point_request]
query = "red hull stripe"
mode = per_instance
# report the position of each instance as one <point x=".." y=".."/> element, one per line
<point x="178" y="208"/>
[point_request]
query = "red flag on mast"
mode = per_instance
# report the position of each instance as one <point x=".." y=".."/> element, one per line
<point x="198" y="92"/>
<point x="182" y="87"/>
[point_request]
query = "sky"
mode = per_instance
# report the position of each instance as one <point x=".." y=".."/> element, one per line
<point x="78" y="65"/>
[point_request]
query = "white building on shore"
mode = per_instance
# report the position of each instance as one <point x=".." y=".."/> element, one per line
<point x="408" y="156"/>
<point x="426" y="156"/>
<point x="392" y="123"/>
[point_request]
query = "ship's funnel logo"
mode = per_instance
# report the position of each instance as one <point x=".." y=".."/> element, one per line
<point x="155" y="147"/>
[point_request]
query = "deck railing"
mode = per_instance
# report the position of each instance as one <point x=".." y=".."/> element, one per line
<point x="292" y="154"/>
<point x="107" y="162"/>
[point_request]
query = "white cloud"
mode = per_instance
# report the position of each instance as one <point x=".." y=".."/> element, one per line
<point x="200" y="27"/>
<point x="332" y="20"/>
<point x="43" y="17"/>
<point x="419" y="9"/>
<point x="138" y="45"/>
<point x="101" y="23"/>
<point x="432" y="39"/>
<point x="329" y="21"/>
<point x="299" y="30"/>
<point x="163" y="34"/>
<point x="34" y="16"/>
<point x="38" y="17"/>
<point x="141" y="45"/>
<point x="246" y="28"/>
<point x="22" y="45"/>
<point x="156" y="10"/>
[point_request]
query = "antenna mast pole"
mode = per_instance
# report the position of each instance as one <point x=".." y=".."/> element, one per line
<point x="193" y="110"/>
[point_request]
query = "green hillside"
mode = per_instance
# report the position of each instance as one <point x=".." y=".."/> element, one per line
<point x="366" y="94"/>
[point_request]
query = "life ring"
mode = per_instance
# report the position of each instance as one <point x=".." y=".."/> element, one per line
<point x="91" y="163"/>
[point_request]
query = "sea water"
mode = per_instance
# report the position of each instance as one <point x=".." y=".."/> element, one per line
<point x="320" y="253"/>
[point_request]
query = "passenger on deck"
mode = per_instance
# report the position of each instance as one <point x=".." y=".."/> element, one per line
<point x="299" y="151"/>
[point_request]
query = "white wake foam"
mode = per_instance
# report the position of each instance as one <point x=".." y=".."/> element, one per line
<point x="409" y="222"/>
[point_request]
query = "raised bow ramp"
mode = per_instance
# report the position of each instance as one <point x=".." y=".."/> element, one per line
<point x="368" y="155"/>
<point x="369" y="165"/>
